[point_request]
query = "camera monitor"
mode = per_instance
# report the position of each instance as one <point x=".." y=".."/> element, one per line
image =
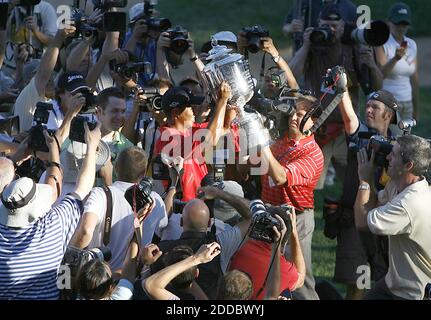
<point x="114" y="21"/>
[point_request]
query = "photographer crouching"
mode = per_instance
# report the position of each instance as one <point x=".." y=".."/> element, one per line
<point x="401" y="212"/>
<point x="265" y="248"/>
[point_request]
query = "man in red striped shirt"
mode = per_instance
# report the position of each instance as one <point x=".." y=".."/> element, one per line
<point x="294" y="164"/>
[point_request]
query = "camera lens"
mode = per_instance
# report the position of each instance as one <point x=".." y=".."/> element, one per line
<point x="179" y="46"/>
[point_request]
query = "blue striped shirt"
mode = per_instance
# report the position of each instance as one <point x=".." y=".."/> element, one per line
<point x="30" y="257"/>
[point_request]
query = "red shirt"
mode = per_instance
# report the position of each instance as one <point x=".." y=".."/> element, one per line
<point x="187" y="145"/>
<point x="254" y="258"/>
<point x="303" y="163"/>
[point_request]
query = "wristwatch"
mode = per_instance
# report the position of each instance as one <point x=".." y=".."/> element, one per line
<point x="364" y="186"/>
<point x="276" y="58"/>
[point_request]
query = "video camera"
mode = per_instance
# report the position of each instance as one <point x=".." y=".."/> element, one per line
<point x="153" y="98"/>
<point x="178" y="36"/>
<point x="139" y="195"/>
<point x="263" y="221"/>
<point x="83" y="27"/>
<point x="127" y="70"/>
<point x="41" y="115"/>
<point x="105" y="5"/>
<point x="77" y="130"/>
<point x="382" y="147"/>
<point x="254" y="35"/>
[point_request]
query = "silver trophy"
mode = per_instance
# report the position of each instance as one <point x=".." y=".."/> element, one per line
<point x="234" y="69"/>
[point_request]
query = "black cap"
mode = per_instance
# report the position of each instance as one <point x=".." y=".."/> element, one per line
<point x="179" y="97"/>
<point x="71" y="81"/>
<point x="400" y="12"/>
<point x="330" y="12"/>
<point x="388" y="99"/>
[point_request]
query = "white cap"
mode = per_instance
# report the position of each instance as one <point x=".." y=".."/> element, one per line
<point x="136" y="10"/>
<point x="227" y="36"/>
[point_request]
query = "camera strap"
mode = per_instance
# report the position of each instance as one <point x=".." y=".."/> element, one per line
<point x="108" y="216"/>
<point x="325" y="113"/>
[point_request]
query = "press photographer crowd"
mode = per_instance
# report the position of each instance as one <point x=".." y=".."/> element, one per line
<point x="119" y="183"/>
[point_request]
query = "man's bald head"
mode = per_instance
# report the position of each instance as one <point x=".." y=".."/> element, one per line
<point x="7" y="172"/>
<point x="196" y="216"/>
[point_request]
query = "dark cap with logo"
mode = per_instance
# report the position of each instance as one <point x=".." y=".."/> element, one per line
<point x="399" y="13"/>
<point x="71" y="81"/>
<point x="180" y="97"/>
<point x="330" y="12"/>
<point x="388" y="99"/>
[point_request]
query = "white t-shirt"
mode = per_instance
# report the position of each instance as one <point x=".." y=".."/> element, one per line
<point x="398" y="81"/>
<point x="122" y="228"/>
<point x="25" y="105"/>
<point x="406" y="219"/>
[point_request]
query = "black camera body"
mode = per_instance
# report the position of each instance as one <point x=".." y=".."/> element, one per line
<point x="77" y="130"/>
<point x="322" y="36"/>
<point x="382" y="147"/>
<point x="10" y="126"/>
<point x="261" y="226"/>
<point x="41" y="116"/>
<point x="178" y="36"/>
<point x="160" y="170"/>
<point x="254" y="35"/>
<point x="178" y="206"/>
<point x="127" y="70"/>
<point x="154" y="98"/>
<point x="84" y="29"/>
<point x="90" y="101"/>
<point x="105" y="5"/>
<point x="75" y="258"/>
<point x="334" y="82"/>
<point x="139" y="195"/>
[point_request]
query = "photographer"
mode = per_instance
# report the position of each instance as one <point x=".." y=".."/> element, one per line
<point x="401" y="212"/>
<point x="355" y="248"/>
<point x="299" y="19"/>
<point x="35" y="28"/>
<point x="195" y="221"/>
<point x="44" y="231"/>
<point x="145" y="44"/>
<point x="42" y="83"/>
<point x="312" y="61"/>
<point x="131" y="166"/>
<point x="181" y="271"/>
<point x="182" y="129"/>
<point x="255" y="256"/>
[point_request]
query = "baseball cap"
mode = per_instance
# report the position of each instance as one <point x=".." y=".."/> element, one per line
<point x="136" y="10"/>
<point x="179" y="97"/>
<point x="72" y="158"/>
<point x="388" y="99"/>
<point x="223" y="210"/>
<point x="23" y="202"/>
<point x="400" y="12"/>
<point x="223" y="38"/>
<point x="330" y="12"/>
<point x="71" y="81"/>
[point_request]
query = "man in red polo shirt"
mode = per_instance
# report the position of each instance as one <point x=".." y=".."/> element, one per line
<point x="182" y="136"/>
<point x="294" y="164"/>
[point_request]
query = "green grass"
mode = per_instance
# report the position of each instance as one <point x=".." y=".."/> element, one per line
<point x="204" y="18"/>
